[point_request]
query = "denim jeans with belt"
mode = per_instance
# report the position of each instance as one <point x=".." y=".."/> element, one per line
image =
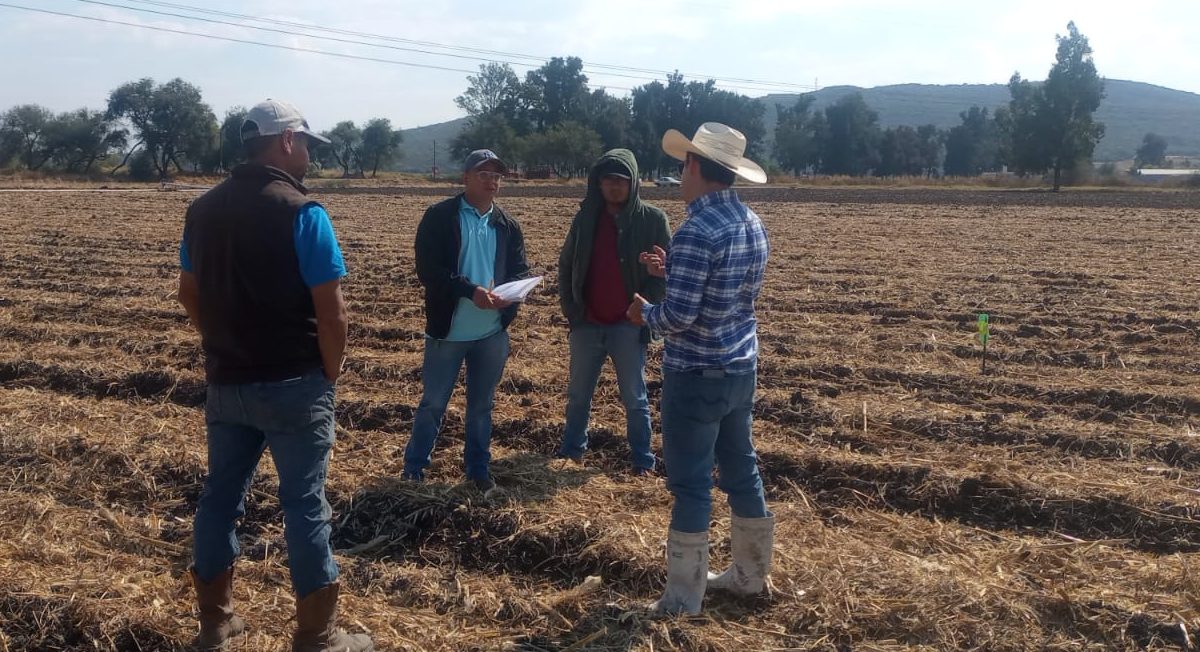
<point x="706" y="418"/>
<point x="485" y="361"/>
<point x="294" y="419"/>
<point x="590" y="345"/>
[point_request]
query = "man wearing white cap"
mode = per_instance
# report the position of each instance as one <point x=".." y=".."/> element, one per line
<point x="261" y="281"/>
<point x="714" y="273"/>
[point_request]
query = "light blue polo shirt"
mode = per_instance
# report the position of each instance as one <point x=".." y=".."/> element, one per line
<point x="477" y="262"/>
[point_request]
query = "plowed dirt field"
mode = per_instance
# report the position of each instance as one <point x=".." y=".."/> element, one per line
<point x="1052" y="503"/>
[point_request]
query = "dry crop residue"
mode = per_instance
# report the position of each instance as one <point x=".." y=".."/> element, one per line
<point x="1052" y="504"/>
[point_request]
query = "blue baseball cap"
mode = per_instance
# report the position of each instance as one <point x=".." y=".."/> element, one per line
<point x="481" y="156"/>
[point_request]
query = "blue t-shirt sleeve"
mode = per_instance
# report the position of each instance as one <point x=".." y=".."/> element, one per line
<point x="185" y="262"/>
<point x="317" y="247"/>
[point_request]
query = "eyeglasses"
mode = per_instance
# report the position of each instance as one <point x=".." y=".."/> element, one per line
<point x="489" y="176"/>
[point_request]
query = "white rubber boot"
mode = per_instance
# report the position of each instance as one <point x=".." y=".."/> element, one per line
<point x="752" y="540"/>
<point x="687" y="573"/>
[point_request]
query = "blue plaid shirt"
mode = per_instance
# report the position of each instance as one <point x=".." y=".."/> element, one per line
<point x="714" y="272"/>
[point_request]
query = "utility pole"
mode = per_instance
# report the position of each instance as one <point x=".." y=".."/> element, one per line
<point x="435" y="169"/>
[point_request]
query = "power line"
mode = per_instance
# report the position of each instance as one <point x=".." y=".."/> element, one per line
<point x="287" y="32"/>
<point x="306" y="50"/>
<point x="238" y="40"/>
<point x="338" y="40"/>
<point x="331" y="30"/>
<point x="341" y="55"/>
<point x="540" y="59"/>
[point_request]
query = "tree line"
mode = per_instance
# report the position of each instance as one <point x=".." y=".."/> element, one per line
<point x="155" y="130"/>
<point x="1047" y="128"/>
<point x="554" y="121"/>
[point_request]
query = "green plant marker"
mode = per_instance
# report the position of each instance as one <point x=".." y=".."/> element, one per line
<point x="983" y="334"/>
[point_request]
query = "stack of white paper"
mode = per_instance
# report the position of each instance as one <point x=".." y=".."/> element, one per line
<point x="517" y="290"/>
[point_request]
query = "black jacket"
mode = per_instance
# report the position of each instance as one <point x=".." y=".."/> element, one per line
<point x="257" y="320"/>
<point x="438" y="243"/>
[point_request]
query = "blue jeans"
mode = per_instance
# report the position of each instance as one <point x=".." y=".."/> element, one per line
<point x="294" y="418"/>
<point x="485" y="363"/>
<point x="706" y="418"/>
<point x="590" y="345"/>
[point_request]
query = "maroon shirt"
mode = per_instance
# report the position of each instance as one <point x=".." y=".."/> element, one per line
<point x="604" y="289"/>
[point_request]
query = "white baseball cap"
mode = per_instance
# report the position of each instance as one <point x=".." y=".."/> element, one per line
<point x="273" y="117"/>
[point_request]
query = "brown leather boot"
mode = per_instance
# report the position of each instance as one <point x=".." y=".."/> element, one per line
<point x="218" y="623"/>
<point x="315" y="631"/>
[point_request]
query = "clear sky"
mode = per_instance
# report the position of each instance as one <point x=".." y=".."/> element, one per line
<point x="65" y="63"/>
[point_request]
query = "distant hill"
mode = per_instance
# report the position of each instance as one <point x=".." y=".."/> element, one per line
<point x="419" y="142"/>
<point x="1129" y="110"/>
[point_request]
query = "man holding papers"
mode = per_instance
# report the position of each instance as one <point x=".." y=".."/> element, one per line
<point x="465" y="246"/>
<point x="598" y="275"/>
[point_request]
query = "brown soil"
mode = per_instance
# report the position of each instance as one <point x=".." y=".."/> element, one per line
<point x="1052" y="503"/>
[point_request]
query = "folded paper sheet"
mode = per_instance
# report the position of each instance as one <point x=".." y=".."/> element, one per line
<point x="517" y="290"/>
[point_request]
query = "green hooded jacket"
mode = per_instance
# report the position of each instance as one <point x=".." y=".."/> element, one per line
<point x="640" y="226"/>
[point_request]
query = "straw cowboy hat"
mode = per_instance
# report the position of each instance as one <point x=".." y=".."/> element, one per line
<point x="718" y="143"/>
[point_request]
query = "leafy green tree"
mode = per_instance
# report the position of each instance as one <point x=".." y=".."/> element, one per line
<point x="207" y="156"/>
<point x="231" y="151"/>
<point x="851" y="146"/>
<point x="900" y="153"/>
<point x="1152" y="152"/>
<point x="932" y="140"/>
<point x="25" y="134"/>
<point x="141" y="166"/>
<point x="495" y="90"/>
<point x="555" y="93"/>
<point x="567" y="149"/>
<point x="344" y="149"/>
<point x="1053" y="124"/>
<point x="380" y="144"/>
<point x="609" y="117"/>
<point x="521" y="119"/>
<point x="654" y="108"/>
<point x="491" y="131"/>
<point x="798" y="135"/>
<point x="707" y="103"/>
<point x="657" y="107"/>
<point x="973" y="147"/>
<point x="80" y="138"/>
<point x="1029" y="150"/>
<point x="172" y="122"/>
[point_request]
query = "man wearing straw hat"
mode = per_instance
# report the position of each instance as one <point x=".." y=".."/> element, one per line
<point x="714" y="273"/>
<point x="261" y="281"/>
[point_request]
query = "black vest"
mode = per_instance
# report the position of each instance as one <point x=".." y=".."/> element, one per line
<point x="257" y="320"/>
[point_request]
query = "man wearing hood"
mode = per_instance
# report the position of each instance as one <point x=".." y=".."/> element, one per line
<point x="598" y="275"/>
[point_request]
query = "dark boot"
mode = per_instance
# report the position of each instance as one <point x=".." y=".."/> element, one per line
<point x="315" y="631"/>
<point x="218" y="623"/>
